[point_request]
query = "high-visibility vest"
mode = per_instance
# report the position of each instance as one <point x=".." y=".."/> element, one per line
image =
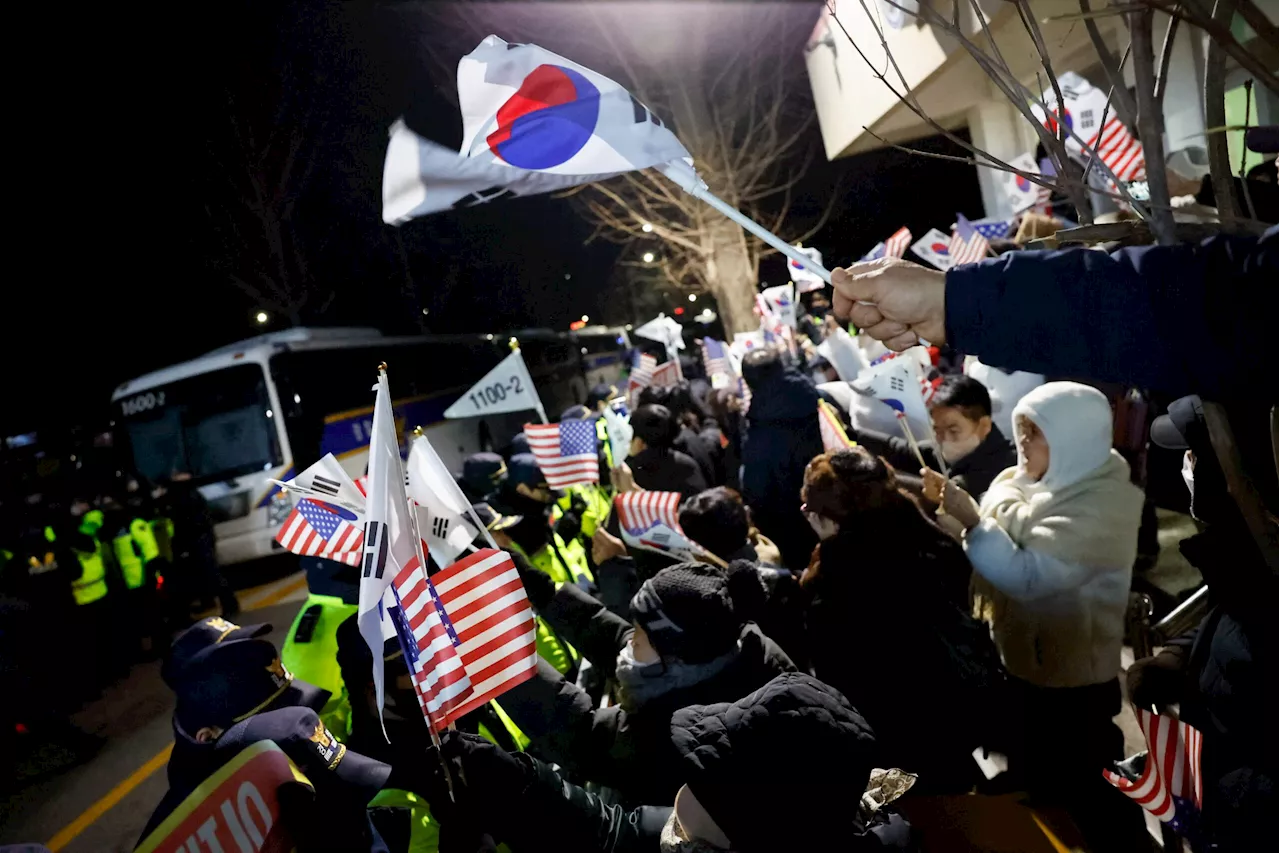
<point x="92" y="584"/>
<point x="314" y="658"/>
<point x="162" y="529"/>
<point x="92" y="522"/>
<point x="519" y="738"/>
<point x="146" y="538"/>
<point x="602" y="436"/>
<point x="129" y="560"/>
<point x="552" y="649"/>
<point x="424" y="832"/>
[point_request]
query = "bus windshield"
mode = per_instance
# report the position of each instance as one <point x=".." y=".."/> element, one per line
<point x="214" y="426"/>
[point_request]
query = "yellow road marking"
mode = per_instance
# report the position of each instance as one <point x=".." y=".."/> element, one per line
<point x="69" y="832"/>
<point x="280" y="594"/>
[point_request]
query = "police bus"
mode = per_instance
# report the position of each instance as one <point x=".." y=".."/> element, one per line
<point x="268" y="407"/>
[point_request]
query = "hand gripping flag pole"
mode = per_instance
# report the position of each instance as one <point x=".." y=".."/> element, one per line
<point x="688" y="180"/>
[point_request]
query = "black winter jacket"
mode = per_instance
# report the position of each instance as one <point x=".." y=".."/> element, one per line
<point x="666" y="471"/>
<point x="887" y="629"/>
<point x="973" y="473"/>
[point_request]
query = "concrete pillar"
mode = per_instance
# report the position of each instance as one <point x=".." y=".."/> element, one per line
<point x="999" y="129"/>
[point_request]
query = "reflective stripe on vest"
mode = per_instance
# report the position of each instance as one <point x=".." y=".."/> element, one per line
<point x="129" y="560"/>
<point x="146" y="538"/>
<point x="92" y="584"/>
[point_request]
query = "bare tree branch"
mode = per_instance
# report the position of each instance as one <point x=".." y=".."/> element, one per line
<point x="1125" y="108"/>
<point x="1151" y="125"/>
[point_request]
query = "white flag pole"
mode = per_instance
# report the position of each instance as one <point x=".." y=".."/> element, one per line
<point x="684" y="175"/>
<point x="524" y="368"/>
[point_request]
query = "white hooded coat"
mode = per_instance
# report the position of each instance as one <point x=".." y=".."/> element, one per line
<point x="1055" y="556"/>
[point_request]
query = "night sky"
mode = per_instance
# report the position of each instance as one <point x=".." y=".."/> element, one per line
<point x="124" y="167"/>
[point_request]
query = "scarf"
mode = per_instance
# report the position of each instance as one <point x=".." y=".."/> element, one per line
<point x="640" y="683"/>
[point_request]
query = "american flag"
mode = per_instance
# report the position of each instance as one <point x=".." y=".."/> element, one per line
<point x="566" y="452"/>
<point x="666" y="374"/>
<point x="968" y="246"/>
<point x="641" y="376"/>
<point x="833" y="434"/>
<point x="430" y="643"/>
<point x="1118" y="149"/>
<point x="715" y="357"/>
<point x="992" y="229"/>
<point x="1172" y="768"/>
<point x="472" y="633"/>
<point x="895" y="247"/>
<point x="316" y="529"/>
<point x="650" y="521"/>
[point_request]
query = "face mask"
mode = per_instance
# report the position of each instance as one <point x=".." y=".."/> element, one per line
<point x="954" y="451"/>
<point x="672" y="840"/>
<point x="1188" y="474"/>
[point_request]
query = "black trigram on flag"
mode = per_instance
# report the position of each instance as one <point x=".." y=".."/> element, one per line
<point x="325" y="485"/>
<point x="897" y="384"/>
<point x="440" y="527"/>
<point x="642" y="113"/>
<point x="483" y="196"/>
<point x="375" y="549"/>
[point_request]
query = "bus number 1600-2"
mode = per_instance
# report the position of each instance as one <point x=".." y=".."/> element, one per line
<point x="142" y="403"/>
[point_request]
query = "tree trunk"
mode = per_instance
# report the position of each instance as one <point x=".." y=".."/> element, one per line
<point x="731" y="275"/>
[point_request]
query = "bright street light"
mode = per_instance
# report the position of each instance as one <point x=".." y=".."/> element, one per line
<point x="646" y="228"/>
<point x="584" y="318"/>
<point x="693" y="297"/>
<point x="648" y="257"/>
<point x="261" y="317"/>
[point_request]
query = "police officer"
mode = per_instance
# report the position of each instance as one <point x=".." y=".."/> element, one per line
<point x="194" y="544"/>
<point x="482" y="475"/>
<point x="527" y="495"/>
<point x="234" y="693"/>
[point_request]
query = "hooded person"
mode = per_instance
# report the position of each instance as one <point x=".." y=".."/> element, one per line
<point x="1222" y="673"/>
<point x="882" y="570"/>
<point x="781" y="437"/>
<point x="655" y="463"/>
<point x="1052" y="547"/>
<point x="232" y="692"/>
<point x="692" y="639"/>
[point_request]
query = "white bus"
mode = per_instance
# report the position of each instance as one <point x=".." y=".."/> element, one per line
<point x="268" y="407"/>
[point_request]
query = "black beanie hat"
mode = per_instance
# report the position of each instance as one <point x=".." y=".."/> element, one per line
<point x="795" y="739"/>
<point x="695" y="612"/>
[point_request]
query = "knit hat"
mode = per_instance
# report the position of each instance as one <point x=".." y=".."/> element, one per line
<point x="694" y="612"/>
<point x="794" y="738"/>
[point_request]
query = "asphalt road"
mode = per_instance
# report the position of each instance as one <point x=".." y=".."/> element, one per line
<point x="103" y="804"/>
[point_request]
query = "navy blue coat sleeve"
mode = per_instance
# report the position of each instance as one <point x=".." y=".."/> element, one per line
<point x="1177" y="319"/>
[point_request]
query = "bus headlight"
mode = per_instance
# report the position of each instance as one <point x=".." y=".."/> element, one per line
<point x="279" y="508"/>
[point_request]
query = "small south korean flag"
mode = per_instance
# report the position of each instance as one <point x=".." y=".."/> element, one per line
<point x="934" y="248"/>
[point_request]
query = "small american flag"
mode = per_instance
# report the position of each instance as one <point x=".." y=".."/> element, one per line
<point x="492" y="624"/>
<point x="895" y="247"/>
<point x="992" y="229"/>
<point x="829" y="424"/>
<point x="1119" y="150"/>
<point x="316" y="529"/>
<point x="566" y="452"/>
<point x="968" y="246"/>
<point x="1171" y="771"/>
<point x="715" y="358"/>
<point x="430" y="643"/>
<point x="641" y="376"/>
<point x="666" y="375"/>
<point x="650" y="521"/>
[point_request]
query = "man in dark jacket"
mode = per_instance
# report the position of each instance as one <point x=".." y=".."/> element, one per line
<point x="782" y="436"/>
<point x="1176" y="319"/>
<point x="691" y="641"/>
<point x="1222" y="673"/>
<point x="972" y="447"/>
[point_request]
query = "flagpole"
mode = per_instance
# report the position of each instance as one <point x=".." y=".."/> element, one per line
<point x="684" y="175"/>
<point x="537" y="398"/>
